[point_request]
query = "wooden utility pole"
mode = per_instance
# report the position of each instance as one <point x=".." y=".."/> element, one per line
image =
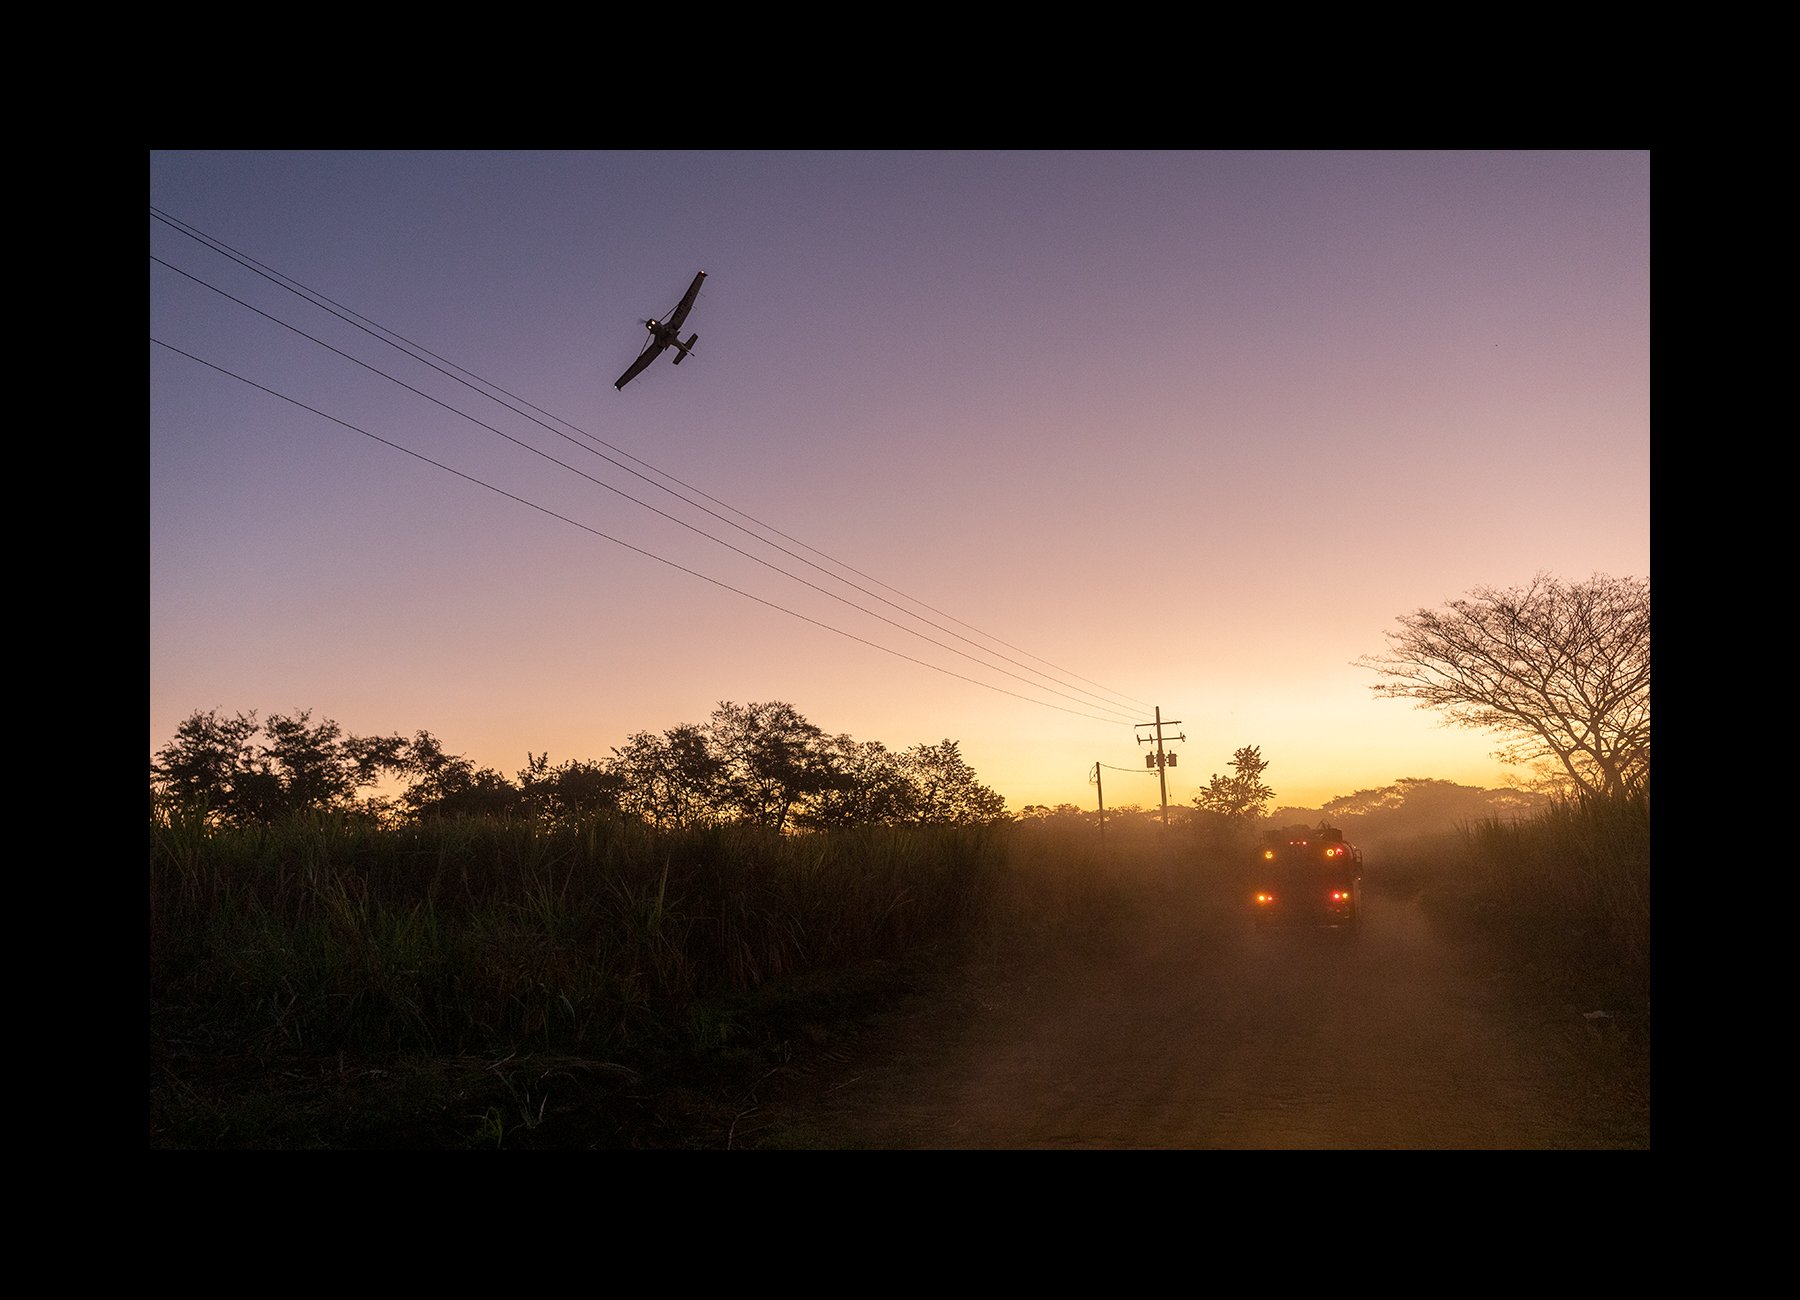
<point x="1100" y="794"/>
<point x="1159" y="760"/>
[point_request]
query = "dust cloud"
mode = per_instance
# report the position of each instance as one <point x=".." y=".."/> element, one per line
<point x="1201" y="1032"/>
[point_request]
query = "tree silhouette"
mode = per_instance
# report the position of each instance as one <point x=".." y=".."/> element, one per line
<point x="769" y="759"/>
<point x="869" y="786"/>
<point x="569" y="792"/>
<point x="1238" y="798"/>
<point x="205" y="764"/>
<point x="1560" y="669"/>
<point x="945" y="789"/>
<point x="216" y="765"/>
<point x="761" y="764"/>
<point x="448" y="785"/>
<point x="669" y="780"/>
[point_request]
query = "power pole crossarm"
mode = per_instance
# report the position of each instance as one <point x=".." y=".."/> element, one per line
<point x="1163" y="761"/>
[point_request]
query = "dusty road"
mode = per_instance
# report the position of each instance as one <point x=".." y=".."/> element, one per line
<point x="1209" y="1035"/>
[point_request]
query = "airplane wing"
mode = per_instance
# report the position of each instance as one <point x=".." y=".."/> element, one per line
<point x="645" y="357"/>
<point x="687" y="301"/>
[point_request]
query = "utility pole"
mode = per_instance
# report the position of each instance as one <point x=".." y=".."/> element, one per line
<point x="1100" y="794"/>
<point x="1159" y="760"/>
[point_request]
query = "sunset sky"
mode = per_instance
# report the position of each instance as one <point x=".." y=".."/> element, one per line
<point x="1087" y="434"/>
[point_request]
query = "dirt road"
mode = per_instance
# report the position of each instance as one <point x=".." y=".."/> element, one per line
<point x="1209" y="1035"/>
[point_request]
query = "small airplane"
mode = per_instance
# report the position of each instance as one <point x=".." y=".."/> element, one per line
<point x="666" y="334"/>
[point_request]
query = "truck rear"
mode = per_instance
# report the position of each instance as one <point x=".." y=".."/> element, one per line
<point x="1310" y="880"/>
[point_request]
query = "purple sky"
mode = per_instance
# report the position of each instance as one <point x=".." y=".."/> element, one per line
<point x="1188" y="430"/>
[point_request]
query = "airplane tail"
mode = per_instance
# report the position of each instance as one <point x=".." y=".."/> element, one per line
<point x="681" y="354"/>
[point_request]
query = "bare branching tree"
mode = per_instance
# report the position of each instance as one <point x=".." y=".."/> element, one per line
<point x="1560" y="669"/>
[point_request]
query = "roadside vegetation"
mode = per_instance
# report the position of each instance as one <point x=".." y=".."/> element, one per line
<point x="328" y="982"/>
<point x="629" y="952"/>
<point x="1558" y="903"/>
<point x="606" y="954"/>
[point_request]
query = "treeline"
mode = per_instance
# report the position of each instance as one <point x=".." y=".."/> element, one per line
<point x="1415" y="806"/>
<point x="756" y="764"/>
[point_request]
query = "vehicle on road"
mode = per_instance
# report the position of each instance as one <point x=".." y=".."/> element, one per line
<point x="1308" y="880"/>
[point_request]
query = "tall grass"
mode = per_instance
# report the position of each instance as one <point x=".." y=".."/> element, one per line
<point x="329" y="934"/>
<point x="1563" y="899"/>
<point x="1558" y="905"/>
<point x="299" y="970"/>
<point x="1568" y="893"/>
<point x="1563" y="894"/>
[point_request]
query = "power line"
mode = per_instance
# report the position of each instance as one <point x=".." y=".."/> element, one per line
<point x="401" y="343"/>
<point x="407" y="346"/>
<point x="587" y="528"/>
<point x="617" y="491"/>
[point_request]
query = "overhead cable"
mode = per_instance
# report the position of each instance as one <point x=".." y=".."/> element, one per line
<point x="483" y="386"/>
<point x="619" y="541"/>
<point x="694" y="528"/>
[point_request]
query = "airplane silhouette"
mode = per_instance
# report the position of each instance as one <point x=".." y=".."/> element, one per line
<point x="666" y="334"/>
